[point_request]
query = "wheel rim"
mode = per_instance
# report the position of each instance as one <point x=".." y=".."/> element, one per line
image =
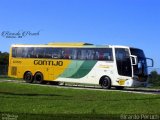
<point x="38" y="78"/>
<point x="28" y="77"/>
<point x="105" y="83"/>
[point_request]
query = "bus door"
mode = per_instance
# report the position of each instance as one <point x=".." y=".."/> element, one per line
<point x="123" y="61"/>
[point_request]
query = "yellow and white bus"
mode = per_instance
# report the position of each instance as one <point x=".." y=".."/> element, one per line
<point x="105" y="65"/>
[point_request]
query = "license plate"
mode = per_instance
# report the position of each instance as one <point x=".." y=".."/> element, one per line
<point x="121" y="82"/>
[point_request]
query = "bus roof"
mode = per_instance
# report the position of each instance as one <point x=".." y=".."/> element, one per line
<point x="68" y="44"/>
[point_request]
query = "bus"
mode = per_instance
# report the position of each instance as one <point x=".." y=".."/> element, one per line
<point x="80" y="63"/>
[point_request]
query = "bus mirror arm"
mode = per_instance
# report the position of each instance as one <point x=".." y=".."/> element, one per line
<point x="152" y="62"/>
<point x="134" y="60"/>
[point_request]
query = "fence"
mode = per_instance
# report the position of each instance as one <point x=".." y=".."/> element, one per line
<point x="3" y="69"/>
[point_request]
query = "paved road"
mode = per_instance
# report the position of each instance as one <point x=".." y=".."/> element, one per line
<point x="73" y="86"/>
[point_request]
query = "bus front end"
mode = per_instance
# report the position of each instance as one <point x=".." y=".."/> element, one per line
<point x="140" y="68"/>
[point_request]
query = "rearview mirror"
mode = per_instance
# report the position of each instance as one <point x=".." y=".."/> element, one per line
<point x="150" y="62"/>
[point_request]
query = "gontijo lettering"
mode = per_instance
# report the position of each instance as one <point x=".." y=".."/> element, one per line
<point x="48" y="62"/>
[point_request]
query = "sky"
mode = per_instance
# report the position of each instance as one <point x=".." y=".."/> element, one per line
<point x="133" y="23"/>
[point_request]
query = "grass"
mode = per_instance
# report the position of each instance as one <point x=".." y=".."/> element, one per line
<point x="154" y="87"/>
<point x="5" y="77"/>
<point x="46" y="101"/>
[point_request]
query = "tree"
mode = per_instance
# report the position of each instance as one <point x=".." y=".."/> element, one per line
<point x="4" y="61"/>
<point x="4" y="58"/>
<point x="154" y="78"/>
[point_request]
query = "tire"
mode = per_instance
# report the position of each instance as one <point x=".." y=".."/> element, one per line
<point x="28" y="77"/>
<point x="119" y="87"/>
<point x="106" y="83"/>
<point x="38" y="78"/>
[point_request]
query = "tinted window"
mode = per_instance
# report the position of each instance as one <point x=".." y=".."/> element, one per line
<point x="57" y="53"/>
<point x="137" y="52"/>
<point x="123" y="62"/>
<point x="14" y="52"/>
<point x="64" y="53"/>
<point x="141" y="68"/>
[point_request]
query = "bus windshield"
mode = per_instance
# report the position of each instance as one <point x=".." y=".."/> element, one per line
<point x="140" y="69"/>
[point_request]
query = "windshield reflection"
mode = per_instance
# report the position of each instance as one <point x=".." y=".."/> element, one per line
<point x="140" y="69"/>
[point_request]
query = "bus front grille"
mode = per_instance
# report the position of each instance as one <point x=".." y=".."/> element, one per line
<point x="14" y="71"/>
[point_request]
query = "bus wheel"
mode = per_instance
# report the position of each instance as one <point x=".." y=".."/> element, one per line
<point x="105" y="82"/>
<point x="38" y="78"/>
<point x="28" y="77"/>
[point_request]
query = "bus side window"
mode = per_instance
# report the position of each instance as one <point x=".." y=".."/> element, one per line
<point x="30" y="52"/>
<point x="96" y="55"/>
<point x="19" y="52"/>
<point x="101" y="56"/>
<point x="66" y="53"/>
<point x="90" y="54"/>
<point x="83" y="54"/>
<point x="32" y="55"/>
<point x="57" y="53"/>
<point x="79" y="54"/>
<point x="74" y="54"/>
<point x="25" y="49"/>
<point x="48" y="52"/>
<point x="14" y="52"/>
<point x="107" y="56"/>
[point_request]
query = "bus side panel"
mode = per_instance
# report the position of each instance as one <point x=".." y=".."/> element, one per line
<point x="88" y="72"/>
<point x="57" y="69"/>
